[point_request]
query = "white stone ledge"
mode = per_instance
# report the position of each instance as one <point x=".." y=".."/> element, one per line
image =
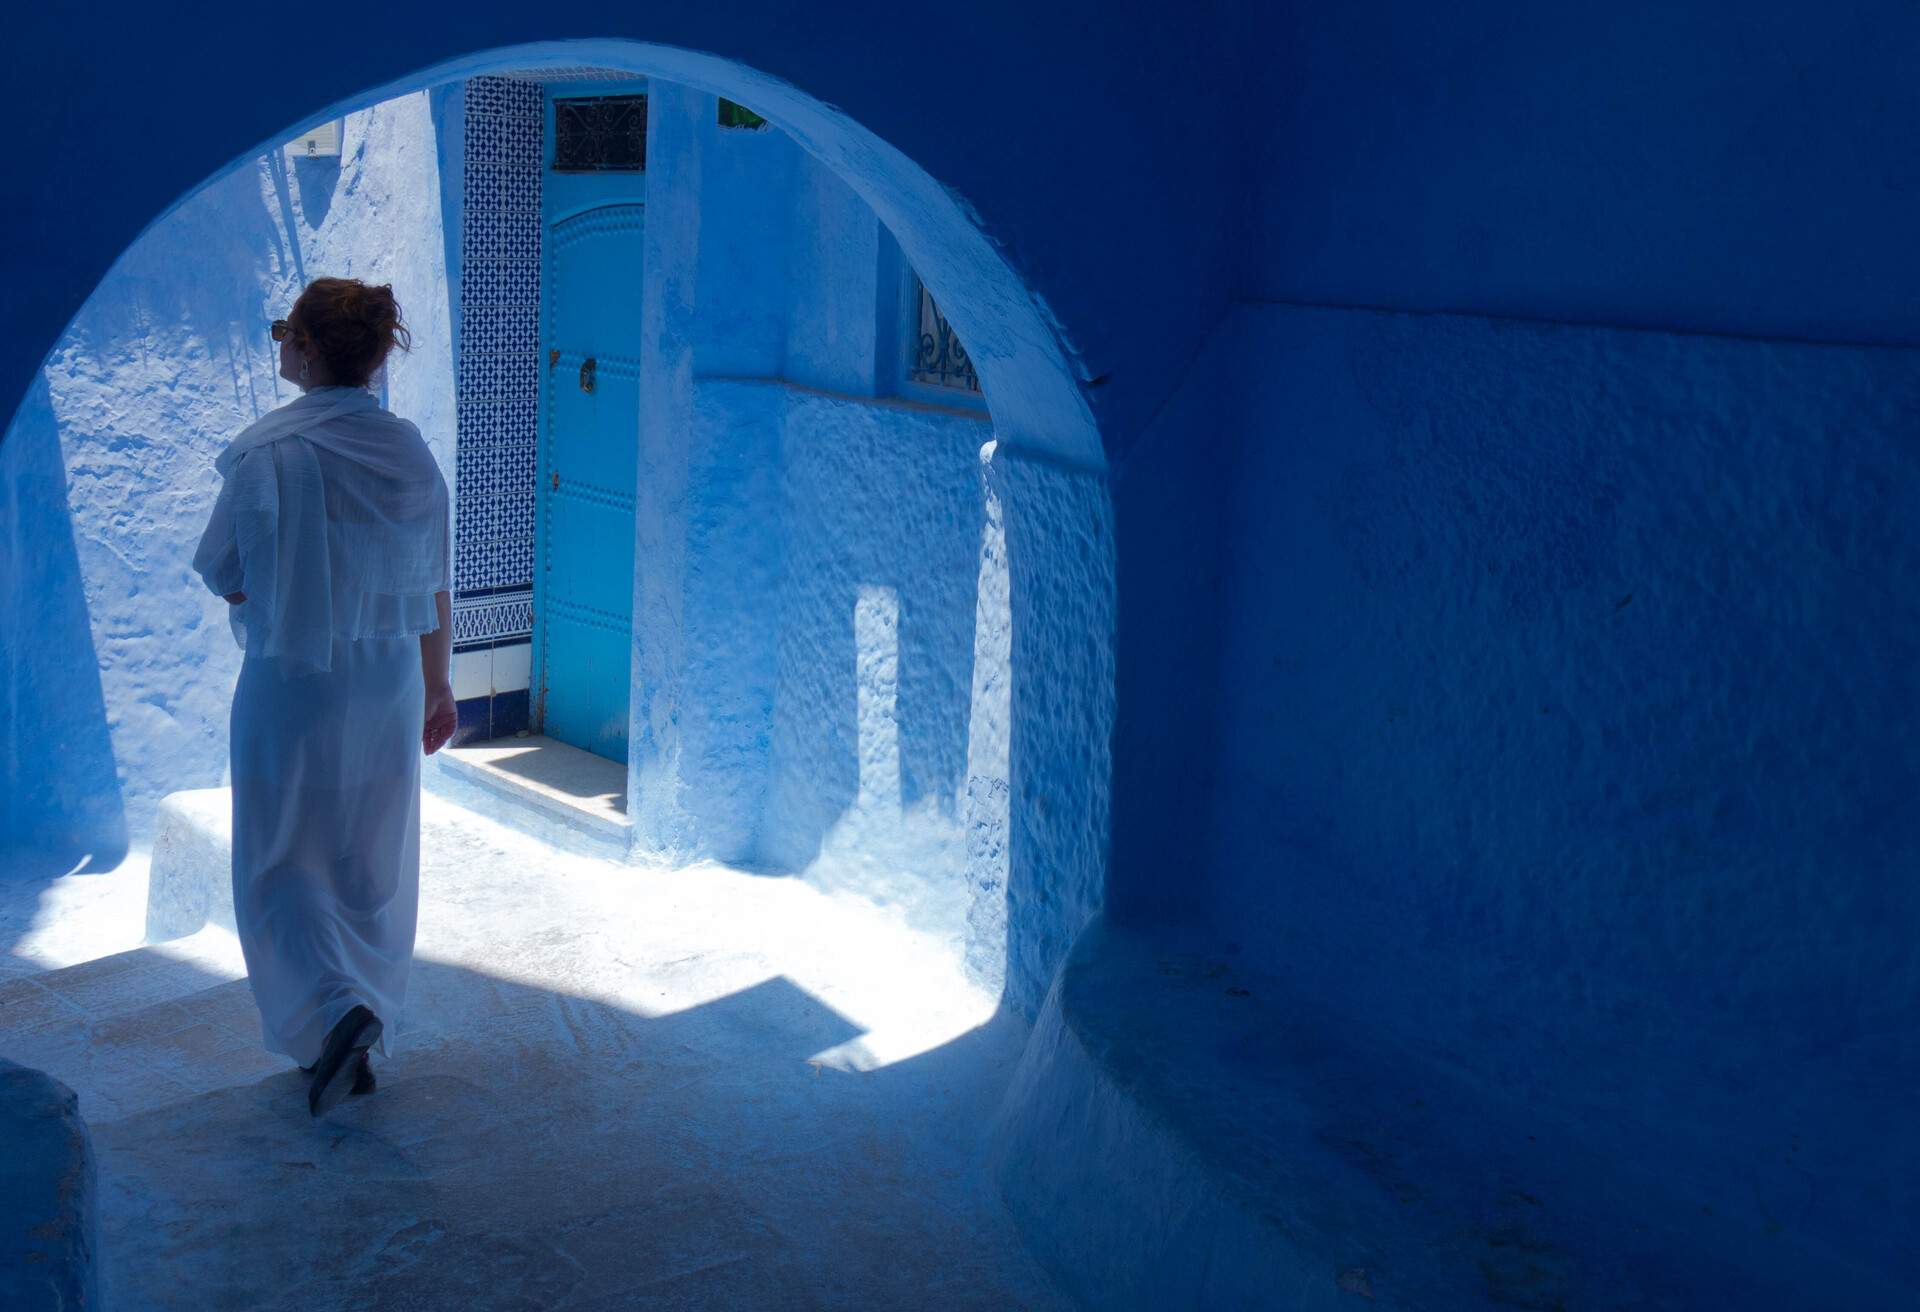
<point x="190" y="882"/>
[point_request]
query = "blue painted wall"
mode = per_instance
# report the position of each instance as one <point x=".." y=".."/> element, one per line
<point x="168" y="358"/>
<point x="1563" y="674"/>
<point x="1172" y="596"/>
<point x="857" y="481"/>
<point x="858" y="624"/>
<point x="61" y="808"/>
<point x="1571" y="736"/>
<point x="1735" y="168"/>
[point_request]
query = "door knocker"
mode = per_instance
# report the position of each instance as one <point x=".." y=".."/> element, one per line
<point x="586" y="375"/>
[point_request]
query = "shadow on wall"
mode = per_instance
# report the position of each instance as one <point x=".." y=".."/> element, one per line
<point x="566" y="1149"/>
<point x="878" y="643"/>
<point x="924" y="722"/>
<point x="866" y="738"/>
<point x="61" y="806"/>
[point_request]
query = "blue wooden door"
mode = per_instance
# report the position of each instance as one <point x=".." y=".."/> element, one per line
<point x="590" y="416"/>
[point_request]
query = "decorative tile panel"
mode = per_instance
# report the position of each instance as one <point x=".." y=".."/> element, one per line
<point x="490" y="619"/>
<point x="498" y="376"/>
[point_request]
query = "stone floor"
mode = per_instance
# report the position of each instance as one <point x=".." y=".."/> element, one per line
<point x="613" y="1088"/>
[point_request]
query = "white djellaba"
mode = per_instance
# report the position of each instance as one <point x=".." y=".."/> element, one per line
<point x="333" y="520"/>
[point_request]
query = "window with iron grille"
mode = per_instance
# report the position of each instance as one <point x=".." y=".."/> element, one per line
<point x="936" y="356"/>
<point x="600" y="134"/>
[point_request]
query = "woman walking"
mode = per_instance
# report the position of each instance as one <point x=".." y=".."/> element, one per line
<point x="330" y="540"/>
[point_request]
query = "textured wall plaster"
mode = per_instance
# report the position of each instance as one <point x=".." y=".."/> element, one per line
<point x="1716" y="167"/>
<point x="841" y="315"/>
<point x="656" y="790"/>
<point x="1573" y="674"/>
<point x="61" y="806"/>
<point x="1058" y="526"/>
<point x="1172" y="596"/>
<point x="897" y="668"/>
<point x="169" y="359"/>
<point x="747" y="210"/>
<point x="734" y="543"/>
<point x="859" y="625"/>
<point x="876" y="663"/>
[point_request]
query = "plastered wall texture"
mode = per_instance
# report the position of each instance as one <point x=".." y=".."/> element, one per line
<point x="876" y="652"/>
<point x="859" y="626"/>
<point x="900" y="667"/>
<point x="167" y="361"/>
<point x="62" y="805"/>
<point x="735" y="536"/>
<point x="1708" y="167"/>
<point x="1171" y="593"/>
<point x="1572" y="740"/>
<point x="1058" y="527"/>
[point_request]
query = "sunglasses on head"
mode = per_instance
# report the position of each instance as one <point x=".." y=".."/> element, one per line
<point x="280" y="329"/>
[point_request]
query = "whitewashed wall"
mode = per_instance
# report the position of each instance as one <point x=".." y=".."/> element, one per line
<point x="170" y="357"/>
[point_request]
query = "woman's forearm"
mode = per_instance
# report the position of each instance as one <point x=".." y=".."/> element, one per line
<point x="436" y="648"/>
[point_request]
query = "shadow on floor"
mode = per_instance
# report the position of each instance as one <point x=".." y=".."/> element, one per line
<point x="527" y="1148"/>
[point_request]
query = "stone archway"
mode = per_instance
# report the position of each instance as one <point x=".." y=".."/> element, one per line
<point x="1036" y="846"/>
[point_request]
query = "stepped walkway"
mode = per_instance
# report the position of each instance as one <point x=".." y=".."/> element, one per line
<point x="613" y="1088"/>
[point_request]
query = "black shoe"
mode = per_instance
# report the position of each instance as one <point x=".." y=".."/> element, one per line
<point x="339" y="1065"/>
<point x="362" y="1078"/>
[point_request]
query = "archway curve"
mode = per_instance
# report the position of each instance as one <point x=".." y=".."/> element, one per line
<point x="1046" y="471"/>
<point x="1018" y="347"/>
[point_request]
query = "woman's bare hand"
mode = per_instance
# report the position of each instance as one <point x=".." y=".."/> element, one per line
<point x="441" y="718"/>
<point x="235" y="598"/>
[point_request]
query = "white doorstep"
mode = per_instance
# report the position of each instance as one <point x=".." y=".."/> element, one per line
<point x="554" y="791"/>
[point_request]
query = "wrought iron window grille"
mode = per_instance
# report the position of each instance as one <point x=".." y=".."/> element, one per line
<point x="600" y="134"/>
<point x="938" y="357"/>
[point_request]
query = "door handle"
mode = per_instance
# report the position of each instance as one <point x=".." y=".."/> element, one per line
<point x="586" y="375"/>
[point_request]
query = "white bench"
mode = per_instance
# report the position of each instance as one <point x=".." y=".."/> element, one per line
<point x="191" y="880"/>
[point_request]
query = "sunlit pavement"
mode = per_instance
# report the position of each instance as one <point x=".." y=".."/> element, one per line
<point x="613" y="1088"/>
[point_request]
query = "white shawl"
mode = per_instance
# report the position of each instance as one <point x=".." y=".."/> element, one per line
<point x="333" y="520"/>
